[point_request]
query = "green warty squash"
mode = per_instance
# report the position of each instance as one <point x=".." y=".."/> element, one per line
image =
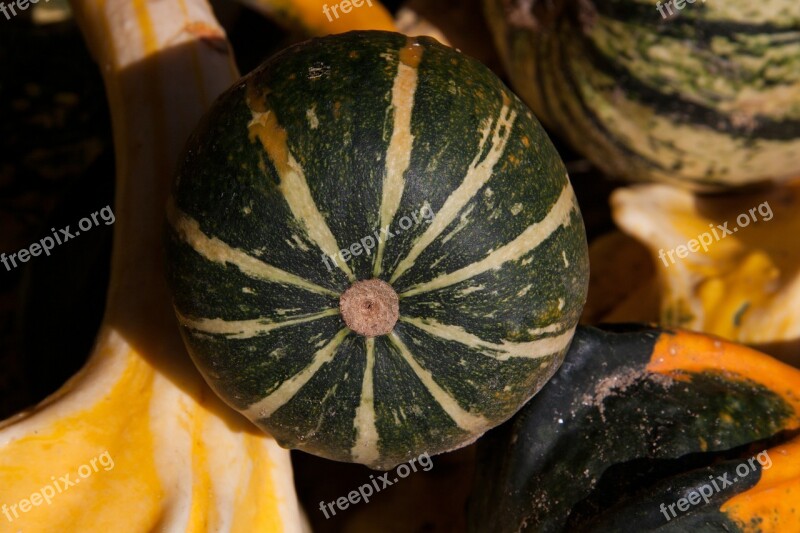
<point x="374" y="249"/>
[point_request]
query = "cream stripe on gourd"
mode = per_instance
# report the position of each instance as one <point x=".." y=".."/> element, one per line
<point x="293" y="183"/>
<point x="280" y="396"/>
<point x="219" y="252"/>
<point x="477" y="175"/>
<point x="552" y="328"/>
<point x="463" y="419"/>
<point x="245" y="329"/>
<point x="503" y="351"/>
<point x="398" y="154"/>
<point x="365" y="450"/>
<point x="532" y="237"/>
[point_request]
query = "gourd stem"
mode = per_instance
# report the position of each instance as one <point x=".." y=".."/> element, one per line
<point x="370" y="307"/>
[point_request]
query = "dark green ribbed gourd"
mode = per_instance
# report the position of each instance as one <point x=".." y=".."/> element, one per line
<point x="374" y="249"/>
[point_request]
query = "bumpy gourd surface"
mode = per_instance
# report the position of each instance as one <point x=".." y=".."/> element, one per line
<point x="636" y="419"/>
<point x="326" y="144"/>
<point x="707" y="97"/>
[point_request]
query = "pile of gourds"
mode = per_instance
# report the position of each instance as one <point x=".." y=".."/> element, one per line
<point x="229" y="189"/>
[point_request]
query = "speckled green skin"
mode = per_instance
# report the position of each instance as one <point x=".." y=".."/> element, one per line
<point x="605" y="443"/>
<point x="708" y="98"/>
<point x="232" y="189"/>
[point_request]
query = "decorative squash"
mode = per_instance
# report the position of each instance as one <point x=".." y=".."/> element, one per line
<point x="744" y="283"/>
<point x="708" y="99"/>
<point x="400" y="182"/>
<point x="308" y="17"/>
<point x="637" y="419"/>
<point x="137" y="438"/>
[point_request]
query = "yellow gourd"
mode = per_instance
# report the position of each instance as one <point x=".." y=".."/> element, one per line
<point x="308" y="16"/>
<point x="744" y="284"/>
<point x="136" y="441"/>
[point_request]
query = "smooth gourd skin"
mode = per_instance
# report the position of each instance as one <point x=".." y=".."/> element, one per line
<point x="708" y="98"/>
<point x="324" y="144"/>
<point x="639" y="416"/>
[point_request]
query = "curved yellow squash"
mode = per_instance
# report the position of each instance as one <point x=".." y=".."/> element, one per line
<point x="740" y="278"/>
<point x="137" y="441"/>
<point x="309" y="17"/>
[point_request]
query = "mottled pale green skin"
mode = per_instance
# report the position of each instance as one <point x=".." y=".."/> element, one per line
<point x="708" y="98"/>
<point x="228" y="184"/>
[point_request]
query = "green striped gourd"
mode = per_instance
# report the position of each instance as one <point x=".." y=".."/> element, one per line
<point x="707" y="98"/>
<point x="460" y="310"/>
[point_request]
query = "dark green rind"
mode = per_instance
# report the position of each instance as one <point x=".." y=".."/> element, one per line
<point x="243" y="371"/>
<point x="446" y="142"/>
<point x="423" y="424"/>
<point x="204" y="289"/>
<point x="480" y="377"/>
<point x="319" y="419"/>
<point x="349" y="87"/>
<point x="348" y="149"/>
<point x="642" y="506"/>
<point x="599" y="447"/>
<point x="501" y="300"/>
